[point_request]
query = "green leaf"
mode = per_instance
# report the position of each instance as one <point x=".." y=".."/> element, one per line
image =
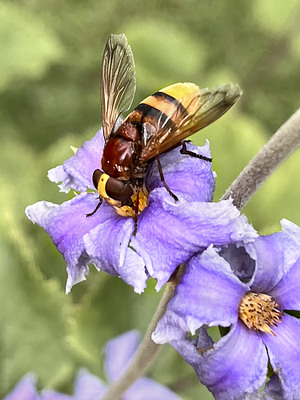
<point x="104" y="310"/>
<point x="272" y="15"/>
<point x="34" y="317"/>
<point x="36" y="313"/>
<point x="170" y="54"/>
<point x="28" y="47"/>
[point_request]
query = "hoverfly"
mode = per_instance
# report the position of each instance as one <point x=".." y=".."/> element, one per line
<point x="158" y="124"/>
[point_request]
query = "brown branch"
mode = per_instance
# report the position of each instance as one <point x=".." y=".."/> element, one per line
<point x="147" y="350"/>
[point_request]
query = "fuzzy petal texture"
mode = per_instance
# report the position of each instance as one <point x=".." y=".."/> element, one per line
<point x="235" y="366"/>
<point x="76" y="172"/>
<point x="25" y="390"/>
<point x="287" y="291"/>
<point x="275" y="255"/>
<point x="119" y="352"/>
<point x="284" y="354"/>
<point x="191" y="227"/>
<point x="209" y="293"/>
<point x="71" y="232"/>
<point x="188" y="177"/>
<point x="292" y="230"/>
<point x="147" y="389"/>
<point x="66" y="224"/>
<point x="107" y="245"/>
<point x="88" y="386"/>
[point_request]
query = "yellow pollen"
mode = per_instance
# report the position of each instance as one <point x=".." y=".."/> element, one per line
<point x="259" y="312"/>
<point x="127" y="211"/>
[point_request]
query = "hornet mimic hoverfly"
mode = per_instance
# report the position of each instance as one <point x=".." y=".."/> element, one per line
<point x="158" y="124"/>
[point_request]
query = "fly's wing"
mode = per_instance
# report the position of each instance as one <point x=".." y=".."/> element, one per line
<point x="202" y="107"/>
<point x="118" y="81"/>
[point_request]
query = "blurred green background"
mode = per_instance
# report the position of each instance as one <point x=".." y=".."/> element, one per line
<point x="49" y="93"/>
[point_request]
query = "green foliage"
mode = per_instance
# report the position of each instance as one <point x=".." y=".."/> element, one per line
<point x="28" y="47"/>
<point x="49" y="100"/>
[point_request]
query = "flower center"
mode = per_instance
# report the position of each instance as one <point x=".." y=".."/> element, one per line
<point x="259" y="312"/>
<point x="129" y="211"/>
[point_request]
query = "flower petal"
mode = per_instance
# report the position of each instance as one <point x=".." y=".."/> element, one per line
<point x="275" y="255"/>
<point x="119" y="352"/>
<point x="146" y="389"/>
<point x="292" y="230"/>
<point x="237" y="364"/>
<point x="209" y="293"/>
<point x="67" y="224"/>
<point x="191" y="227"/>
<point x="284" y="355"/>
<point x="287" y="291"/>
<point x="189" y="177"/>
<point x="107" y="245"/>
<point x="24" y="390"/>
<point x="88" y="386"/>
<point x="76" y="172"/>
<point x="240" y="262"/>
<point x="273" y="389"/>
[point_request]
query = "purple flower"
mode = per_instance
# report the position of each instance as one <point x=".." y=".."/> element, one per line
<point x="168" y="233"/>
<point x="252" y="290"/>
<point x="119" y="352"/>
<point x="24" y="390"/>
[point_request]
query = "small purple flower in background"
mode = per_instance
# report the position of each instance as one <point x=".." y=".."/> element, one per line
<point x="25" y="390"/>
<point x="253" y="290"/>
<point x="168" y="233"/>
<point x="119" y="352"/>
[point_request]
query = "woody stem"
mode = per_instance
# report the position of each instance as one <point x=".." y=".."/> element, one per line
<point x="279" y="147"/>
<point x="147" y="350"/>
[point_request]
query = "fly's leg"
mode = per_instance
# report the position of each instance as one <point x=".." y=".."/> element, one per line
<point x="161" y="174"/>
<point x="136" y="211"/>
<point x="184" y="150"/>
<point x="97" y="207"/>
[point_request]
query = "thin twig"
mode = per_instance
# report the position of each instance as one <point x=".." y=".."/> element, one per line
<point x="147" y="350"/>
<point x="278" y="148"/>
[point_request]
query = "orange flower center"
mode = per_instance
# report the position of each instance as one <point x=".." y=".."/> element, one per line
<point x="259" y="312"/>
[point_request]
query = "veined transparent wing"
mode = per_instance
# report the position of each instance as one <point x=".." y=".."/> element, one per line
<point x="118" y="81"/>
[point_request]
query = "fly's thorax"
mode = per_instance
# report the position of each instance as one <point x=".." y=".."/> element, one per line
<point x="118" y="156"/>
<point x="128" y="131"/>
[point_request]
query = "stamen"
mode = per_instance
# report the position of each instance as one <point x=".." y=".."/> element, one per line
<point x="259" y="312"/>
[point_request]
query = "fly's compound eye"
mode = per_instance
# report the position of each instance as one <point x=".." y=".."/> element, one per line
<point x="96" y="177"/>
<point x="109" y="187"/>
<point x="118" y="190"/>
